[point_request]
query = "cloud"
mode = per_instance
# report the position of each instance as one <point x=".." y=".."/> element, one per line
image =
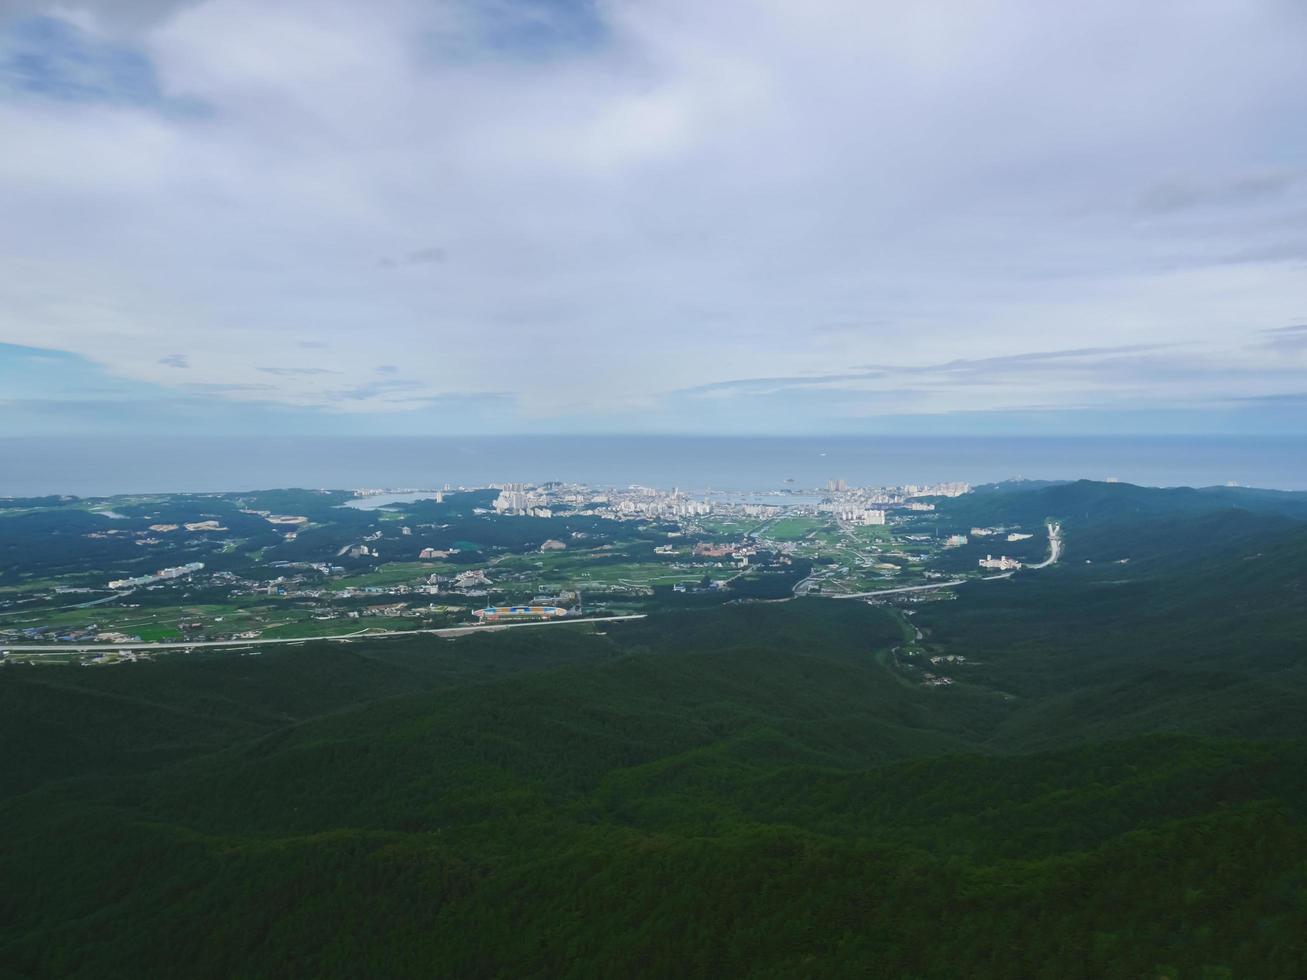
<point x="49" y="57"/>
<point x="1037" y="360"/>
<point x="1179" y="195"/>
<point x="422" y="256"/>
<point x="530" y="29"/>
<point x="45" y="57"/>
<point x="780" y="383"/>
<point x="1286" y="339"/>
<point x="980" y="368"/>
<point x="210" y="388"/>
<point x="392" y="390"/>
<point x="1101" y="383"/>
<point x="1287" y="398"/>
<point x="117" y="16"/>
<point x="1285" y="251"/>
<point x="425" y="255"/>
<point x="175" y="361"/>
<point x="297" y="372"/>
<point x="658" y="212"/>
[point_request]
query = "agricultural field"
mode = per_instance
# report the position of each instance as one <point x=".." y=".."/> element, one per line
<point x="794" y="528"/>
<point x="294" y="563"/>
<point x="326" y="569"/>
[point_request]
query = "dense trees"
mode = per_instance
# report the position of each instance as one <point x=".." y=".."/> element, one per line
<point x="1115" y="785"/>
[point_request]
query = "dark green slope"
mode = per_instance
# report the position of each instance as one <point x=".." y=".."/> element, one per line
<point x="73" y="721"/>
<point x="1115" y="786"/>
<point x="1186" y="623"/>
<point x="1103" y="862"/>
<point x="1087" y="502"/>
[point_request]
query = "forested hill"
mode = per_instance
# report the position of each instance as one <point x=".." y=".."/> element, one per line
<point x="1092" y="502"/>
<point x="1097" y="769"/>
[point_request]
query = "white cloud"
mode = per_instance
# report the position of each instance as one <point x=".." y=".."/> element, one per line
<point x="675" y="195"/>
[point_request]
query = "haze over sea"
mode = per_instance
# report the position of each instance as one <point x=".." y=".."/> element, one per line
<point x="102" y="466"/>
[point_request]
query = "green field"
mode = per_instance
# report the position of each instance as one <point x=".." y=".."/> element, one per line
<point x="258" y="563"/>
<point x="396" y="573"/>
<point x="793" y="528"/>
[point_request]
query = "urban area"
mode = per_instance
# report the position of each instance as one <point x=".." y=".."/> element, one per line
<point x="111" y="579"/>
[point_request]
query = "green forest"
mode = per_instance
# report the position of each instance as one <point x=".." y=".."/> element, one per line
<point x="1098" y="769"/>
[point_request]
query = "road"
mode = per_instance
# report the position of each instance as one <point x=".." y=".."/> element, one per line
<point x="904" y="588"/>
<point x="51" y="650"/>
<point x="78" y="605"/>
<point x="101" y="602"/>
<point x="1054" y="553"/>
<point x="1054" y="546"/>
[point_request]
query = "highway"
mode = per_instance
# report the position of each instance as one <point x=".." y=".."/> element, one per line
<point x="51" y="650"/>
<point x="905" y="588"/>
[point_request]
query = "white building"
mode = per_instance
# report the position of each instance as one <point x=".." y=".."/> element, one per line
<point x="178" y="571"/>
<point x="465" y="580"/>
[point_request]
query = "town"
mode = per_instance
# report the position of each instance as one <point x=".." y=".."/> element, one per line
<point x="292" y="564"/>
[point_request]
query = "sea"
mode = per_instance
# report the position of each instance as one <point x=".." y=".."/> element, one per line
<point x="102" y="466"/>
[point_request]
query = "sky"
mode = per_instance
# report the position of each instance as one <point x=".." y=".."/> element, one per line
<point x="499" y="216"/>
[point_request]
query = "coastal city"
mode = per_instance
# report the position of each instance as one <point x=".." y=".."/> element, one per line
<point x="288" y="565"/>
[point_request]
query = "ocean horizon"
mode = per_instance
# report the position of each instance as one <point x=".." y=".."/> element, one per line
<point x="100" y="466"/>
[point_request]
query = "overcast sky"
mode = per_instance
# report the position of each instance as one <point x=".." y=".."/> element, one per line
<point x="653" y="215"/>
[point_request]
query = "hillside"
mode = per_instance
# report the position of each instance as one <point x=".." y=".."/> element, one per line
<point x="1088" y="502"/>
<point x="1114" y="785"/>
